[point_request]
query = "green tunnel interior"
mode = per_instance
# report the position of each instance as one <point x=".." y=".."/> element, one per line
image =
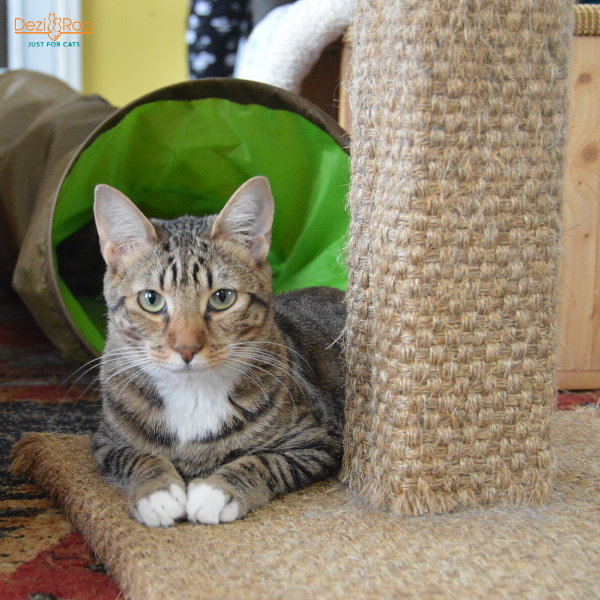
<point x="176" y="157"/>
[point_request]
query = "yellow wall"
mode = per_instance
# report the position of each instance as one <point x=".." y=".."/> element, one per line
<point x="137" y="46"/>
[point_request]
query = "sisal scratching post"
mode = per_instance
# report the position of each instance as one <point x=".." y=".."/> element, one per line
<point x="459" y="128"/>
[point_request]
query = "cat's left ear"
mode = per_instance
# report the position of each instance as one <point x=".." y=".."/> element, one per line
<point x="247" y="217"/>
<point x="122" y="227"/>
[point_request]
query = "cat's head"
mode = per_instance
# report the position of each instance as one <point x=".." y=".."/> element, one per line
<point x="180" y="293"/>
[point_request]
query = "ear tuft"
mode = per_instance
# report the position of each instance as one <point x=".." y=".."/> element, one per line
<point x="247" y="218"/>
<point x="122" y="227"/>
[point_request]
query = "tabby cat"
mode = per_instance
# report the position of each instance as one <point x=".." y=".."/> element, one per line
<point x="216" y="395"/>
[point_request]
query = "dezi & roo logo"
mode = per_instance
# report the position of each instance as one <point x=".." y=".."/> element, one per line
<point x="53" y="27"/>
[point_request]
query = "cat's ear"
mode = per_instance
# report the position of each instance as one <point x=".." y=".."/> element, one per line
<point x="248" y="217"/>
<point x="122" y="227"/>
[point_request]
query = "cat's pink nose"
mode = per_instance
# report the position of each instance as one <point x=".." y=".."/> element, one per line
<point x="187" y="353"/>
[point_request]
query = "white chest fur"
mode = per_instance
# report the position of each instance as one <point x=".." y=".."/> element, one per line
<point x="196" y="405"/>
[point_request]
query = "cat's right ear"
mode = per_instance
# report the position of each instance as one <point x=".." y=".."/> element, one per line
<point x="247" y="217"/>
<point x="122" y="227"/>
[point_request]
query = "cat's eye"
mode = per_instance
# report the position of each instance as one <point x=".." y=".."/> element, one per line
<point x="151" y="301"/>
<point x="222" y="299"/>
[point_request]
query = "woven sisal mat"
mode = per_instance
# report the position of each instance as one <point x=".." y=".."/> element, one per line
<point x="321" y="543"/>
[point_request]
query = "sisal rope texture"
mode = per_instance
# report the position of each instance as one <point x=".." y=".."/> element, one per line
<point x="587" y="19"/>
<point x="458" y="155"/>
<point x="323" y="543"/>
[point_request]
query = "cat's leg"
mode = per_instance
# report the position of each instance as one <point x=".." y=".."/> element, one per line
<point x="250" y="482"/>
<point x="155" y="491"/>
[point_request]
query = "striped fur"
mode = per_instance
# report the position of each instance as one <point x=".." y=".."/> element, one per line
<point x="258" y="410"/>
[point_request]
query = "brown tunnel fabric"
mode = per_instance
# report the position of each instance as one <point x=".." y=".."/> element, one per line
<point x="42" y="122"/>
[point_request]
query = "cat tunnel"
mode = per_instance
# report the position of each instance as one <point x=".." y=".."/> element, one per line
<point x="180" y="150"/>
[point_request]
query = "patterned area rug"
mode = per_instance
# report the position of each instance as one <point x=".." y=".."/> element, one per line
<point x="42" y="557"/>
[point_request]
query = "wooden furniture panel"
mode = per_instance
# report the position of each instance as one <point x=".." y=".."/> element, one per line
<point x="579" y="306"/>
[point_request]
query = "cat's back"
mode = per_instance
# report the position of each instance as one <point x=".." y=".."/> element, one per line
<point x="313" y="320"/>
<point x="313" y="313"/>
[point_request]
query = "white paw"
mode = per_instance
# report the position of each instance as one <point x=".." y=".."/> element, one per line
<point x="210" y="505"/>
<point x="163" y="508"/>
<point x="230" y="513"/>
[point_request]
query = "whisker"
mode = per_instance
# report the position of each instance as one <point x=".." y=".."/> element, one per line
<point x="97" y="389"/>
<point x="272" y="375"/>
<point x="275" y="344"/>
<point x="136" y="373"/>
<point x="127" y="366"/>
<point x="267" y="360"/>
<point x="337" y="339"/>
<point x="273" y="360"/>
<point x="92" y="367"/>
<point x="256" y="351"/>
<point x="245" y="373"/>
<point x="100" y="358"/>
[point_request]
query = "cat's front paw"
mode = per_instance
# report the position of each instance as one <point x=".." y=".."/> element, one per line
<point x="162" y="508"/>
<point x="209" y="505"/>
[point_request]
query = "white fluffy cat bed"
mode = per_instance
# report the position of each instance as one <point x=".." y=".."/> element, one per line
<point x="285" y="45"/>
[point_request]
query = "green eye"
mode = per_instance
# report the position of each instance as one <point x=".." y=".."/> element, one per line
<point x="222" y="299"/>
<point x="151" y="301"/>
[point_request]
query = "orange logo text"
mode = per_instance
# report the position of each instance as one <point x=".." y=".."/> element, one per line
<point x="53" y="26"/>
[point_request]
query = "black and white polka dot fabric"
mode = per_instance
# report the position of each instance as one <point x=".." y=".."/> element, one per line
<point x="213" y="34"/>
